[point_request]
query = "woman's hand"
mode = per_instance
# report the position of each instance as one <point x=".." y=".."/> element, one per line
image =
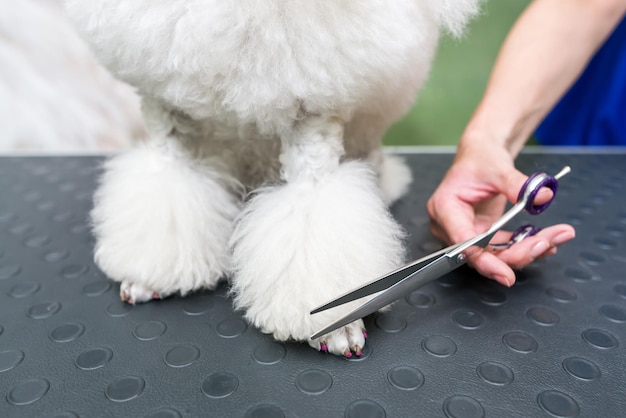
<point x="473" y="195"/>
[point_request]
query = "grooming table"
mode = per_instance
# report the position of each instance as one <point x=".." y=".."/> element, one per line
<point x="553" y="345"/>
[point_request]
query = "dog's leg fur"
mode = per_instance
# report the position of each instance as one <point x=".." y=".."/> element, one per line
<point x="163" y="215"/>
<point x="322" y="232"/>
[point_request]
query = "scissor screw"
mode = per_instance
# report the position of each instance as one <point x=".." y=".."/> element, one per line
<point x="460" y="258"/>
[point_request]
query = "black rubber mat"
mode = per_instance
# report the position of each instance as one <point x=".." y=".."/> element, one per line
<point x="553" y="345"/>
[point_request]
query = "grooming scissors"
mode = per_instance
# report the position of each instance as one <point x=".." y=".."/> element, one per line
<point x="417" y="273"/>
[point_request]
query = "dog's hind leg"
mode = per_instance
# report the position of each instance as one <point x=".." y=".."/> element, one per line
<point x="162" y="214"/>
<point x="323" y="231"/>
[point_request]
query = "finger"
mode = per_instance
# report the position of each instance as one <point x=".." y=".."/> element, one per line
<point x="540" y="245"/>
<point x="492" y="267"/>
<point x="451" y="219"/>
<point x="516" y="181"/>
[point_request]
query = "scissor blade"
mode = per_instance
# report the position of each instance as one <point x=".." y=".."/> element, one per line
<point x="382" y="283"/>
<point x="426" y="274"/>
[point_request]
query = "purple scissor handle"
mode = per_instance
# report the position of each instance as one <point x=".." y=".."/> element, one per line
<point x="530" y="195"/>
<point x="527" y="194"/>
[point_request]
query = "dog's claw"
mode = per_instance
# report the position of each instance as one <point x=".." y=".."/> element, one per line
<point x="133" y="293"/>
<point x="357" y="351"/>
<point x="347" y="353"/>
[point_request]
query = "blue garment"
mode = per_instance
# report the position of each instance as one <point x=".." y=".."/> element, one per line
<point x="593" y="111"/>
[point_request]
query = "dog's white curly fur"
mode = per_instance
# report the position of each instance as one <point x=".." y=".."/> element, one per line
<point x="289" y="99"/>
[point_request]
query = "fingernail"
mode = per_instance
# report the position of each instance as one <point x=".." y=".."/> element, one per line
<point x="504" y="280"/>
<point x="563" y="237"/>
<point x="539" y="248"/>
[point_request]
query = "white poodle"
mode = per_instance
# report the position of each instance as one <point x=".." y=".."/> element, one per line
<point x="264" y="160"/>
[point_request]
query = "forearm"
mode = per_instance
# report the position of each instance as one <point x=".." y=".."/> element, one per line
<point x="544" y="53"/>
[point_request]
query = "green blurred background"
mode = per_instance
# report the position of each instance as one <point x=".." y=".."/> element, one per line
<point x="457" y="79"/>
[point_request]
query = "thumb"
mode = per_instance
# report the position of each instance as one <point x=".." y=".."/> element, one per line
<point x="514" y="182"/>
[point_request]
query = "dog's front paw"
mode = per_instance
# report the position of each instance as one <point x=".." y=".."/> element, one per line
<point x="302" y="244"/>
<point x="135" y="293"/>
<point x="162" y="222"/>
<point x="345" y="341"/>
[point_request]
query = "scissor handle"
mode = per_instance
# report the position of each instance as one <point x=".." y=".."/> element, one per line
<point x="538" y="180"/>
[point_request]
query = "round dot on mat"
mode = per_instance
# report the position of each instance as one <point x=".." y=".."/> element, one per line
<point x="558" y="404"/>
<point x="231" y="328"/>
<point x="365" y="408"/>
<point x="6" y="217"/>
<point x="181" y="356"/>
<point x="613" y="313"/>
<point x="8" y="271"/>
<point x="118" y="309"/>
<point x="67" y="332"/>
<point x="125" y="389"/>
<point x="62" y="216"/>
<point x="463" y="407"/>
<point x="96" y="288"/>
<point x="20" y="229"/>
<point x="164" y="413"/>
<point x="578" y="274"/>
<point x="439" y="346"/>
<point x="94" y="358"/>
<point x="561" y="294"/>
<point x="590" y="258"/>
<point x="28" y="391"/>
<point x="605" y="243"/>
<point x="405" y="378"/>
<point x="24" y="289"/>
<point x="495" y="373"/>
<point x="314" y="382"/>
<point x="600" y="338"/>
<point x="264" y="411"/>
<point x="45" y="206"/>
<point x="149" y="330"/>
<point x="390" y="323"/>
<point x="581" y="368"/>
<point x="420" y="300"/>
<point x="520" y="342"/>
<point x="9" y="359"/>
<point x="620" y="289"/>
<point x="56" y="255"/>
<point x="65" y="414"/>
<point x="492" y="297"/>
<point x="37" y="241"/>
<point x="220" y="385"/>
<point x="269" y="353"/>
<point x="74" y="271"/>
<point x="543" y="316"/>
<point x="197" y="305"/>
<point x="44" y="310"/>
<point x="467" y="319"/>
<point x="615" y="230"/>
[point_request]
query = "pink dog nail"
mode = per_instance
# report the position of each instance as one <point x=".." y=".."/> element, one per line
<point x="324" y="348"/>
